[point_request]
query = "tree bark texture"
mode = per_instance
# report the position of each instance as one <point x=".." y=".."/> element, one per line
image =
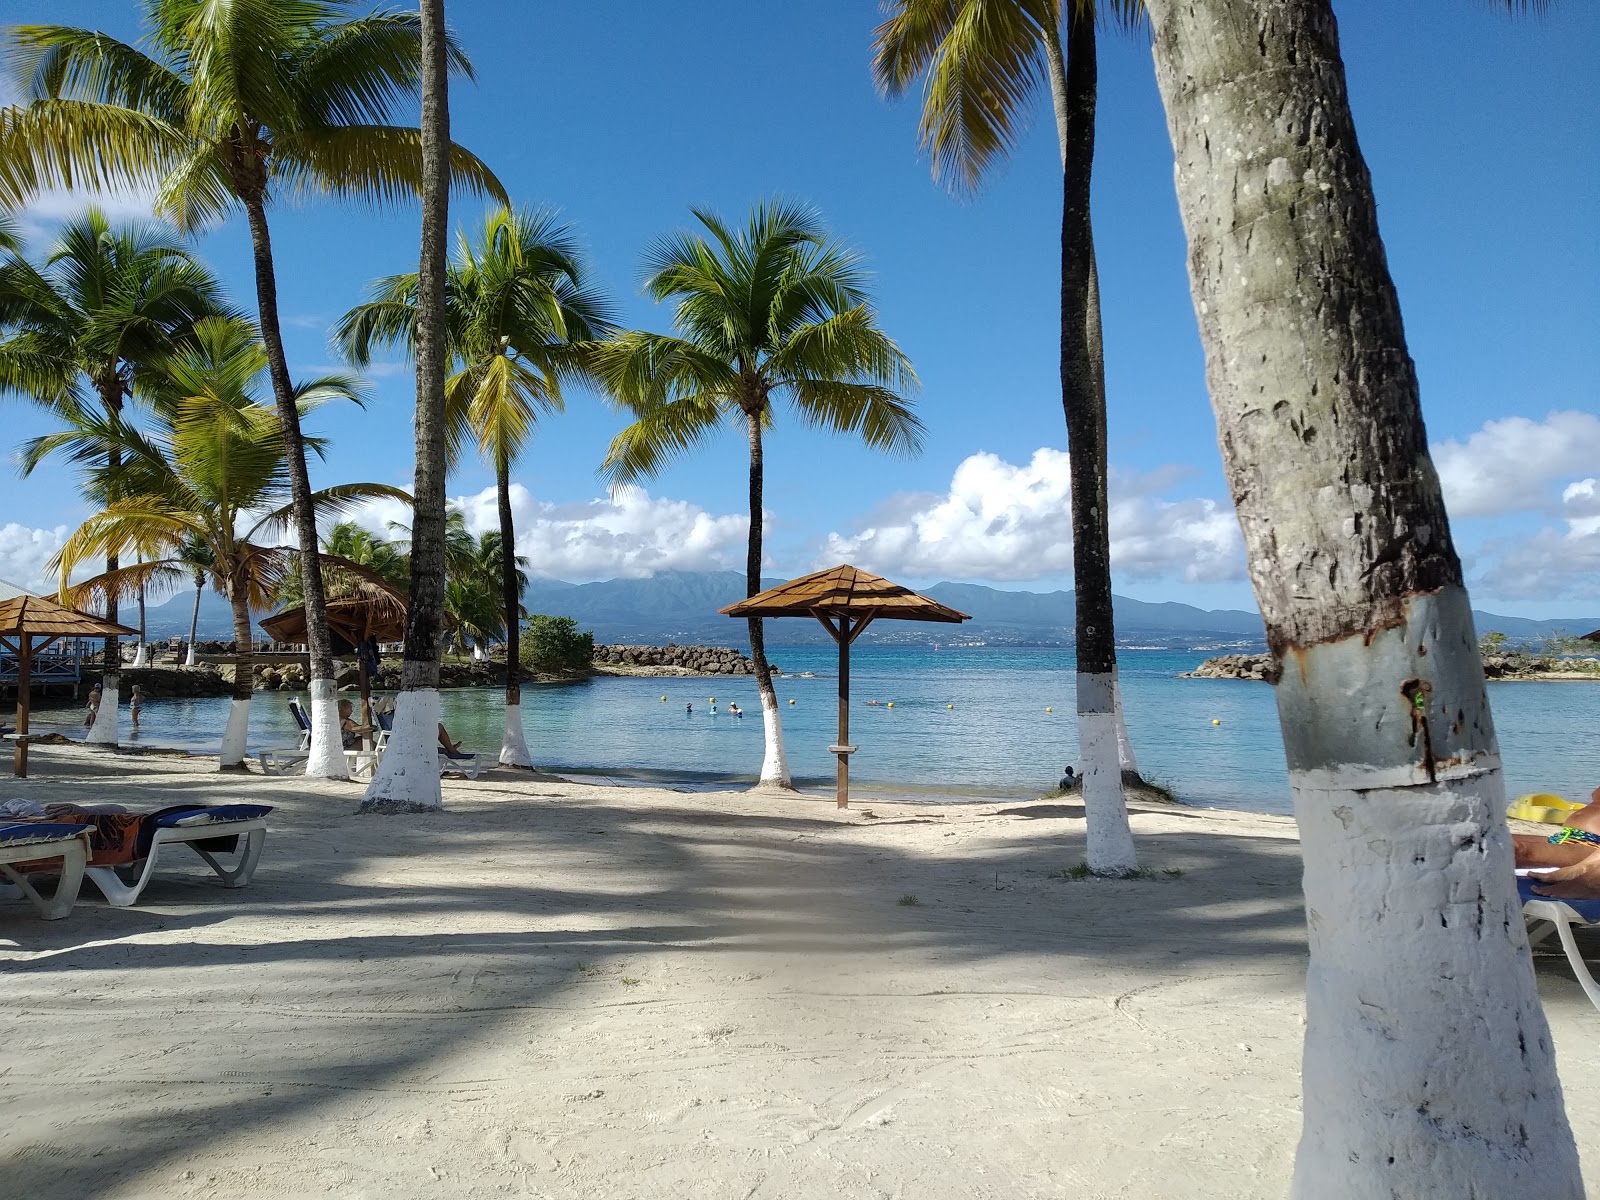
<point x="774" y="764"/>
<point x="194" y="618"/>
<point x="104" y="730"/>
<point x="327" y="754"/>
<point x="409" y="781"/>
<point x="1428" y="1068"/>
<point x="1110" y="849"/>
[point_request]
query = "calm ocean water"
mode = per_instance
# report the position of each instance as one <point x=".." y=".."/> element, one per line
<point x="998" y="739"/>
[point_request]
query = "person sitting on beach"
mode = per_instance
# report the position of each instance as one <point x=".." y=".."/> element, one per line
<point x="1577" y="839"/>
<point x="350" y="732"/>
<point x="135" y="703"/>
<point x="1069" y="779"/>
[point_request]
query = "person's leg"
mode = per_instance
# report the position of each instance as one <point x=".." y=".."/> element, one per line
<point x="1535" y="850"/>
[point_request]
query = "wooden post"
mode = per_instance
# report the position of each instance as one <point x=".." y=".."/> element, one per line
<point x="19" y="754"/>
<point x="366" y="698"/>
<point x="843" y="796"/>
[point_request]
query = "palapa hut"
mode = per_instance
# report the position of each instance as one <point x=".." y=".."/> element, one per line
<point x="29" y="624"/>
<point x="375" y="613"/>
<point x="846" y="600"/>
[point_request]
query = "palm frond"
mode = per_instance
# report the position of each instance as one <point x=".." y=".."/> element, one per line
<point x="57" y="62"/>
<point x="328" y="502"/>
<point x="380" y="164"/>
<point x="662" y="434"/>
<point x="83" y="144"/>
<point x="879" y="415"/>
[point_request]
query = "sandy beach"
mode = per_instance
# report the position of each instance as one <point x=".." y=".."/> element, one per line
<point x="559" y="989"/>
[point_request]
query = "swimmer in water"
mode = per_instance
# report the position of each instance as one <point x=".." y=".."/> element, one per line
<point x="688" y="710"/>
<point x="735" y="709"/>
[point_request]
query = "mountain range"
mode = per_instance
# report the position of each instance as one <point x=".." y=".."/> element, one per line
<point x="681" y="606"/>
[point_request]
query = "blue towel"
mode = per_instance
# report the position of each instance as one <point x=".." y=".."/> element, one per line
<point x="1589" y="910"/>
<point x="216" y="814"/>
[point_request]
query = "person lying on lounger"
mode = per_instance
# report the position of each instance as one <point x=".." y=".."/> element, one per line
<point x="445" y="743"/>
<point x="1574" y="850"/>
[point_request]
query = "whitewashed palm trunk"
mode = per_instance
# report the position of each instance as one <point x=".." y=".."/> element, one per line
<point x="189" y="659"/>
<point x="326" y="760"/>
<point x="104" y="730"/>
<point x="235" y="734"/>
<point x="514" y="746"/>
<point x="774" y="763"/>
<point x="1130" y="765"/>
<point x="1428" y="1068"/>
<point x="141" y="655"/>
<point x="194" y="620"/>
<point x="407" y="778"/>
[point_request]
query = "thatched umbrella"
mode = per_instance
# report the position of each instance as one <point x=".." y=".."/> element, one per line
<point x="26" y="618"/>
<point x="846" y="600"/>
<point x="374" y="612"/>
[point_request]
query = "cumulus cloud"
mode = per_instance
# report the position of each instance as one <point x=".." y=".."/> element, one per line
<point x="1553" y="563"/>
<point x="1512" y="465"/>
<point x="632" y="535"/>
<point x="23" y="553"/>
<point x="1006" y="522"/>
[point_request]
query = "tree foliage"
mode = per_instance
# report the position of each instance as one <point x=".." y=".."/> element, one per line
<point x="553" y="645"/>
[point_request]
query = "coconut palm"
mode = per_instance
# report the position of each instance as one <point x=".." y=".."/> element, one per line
<point x="984" y="61"/>
<point x="242" y="102"/>
<point x="77" y="331"/>
<point x="517" y="307"/>
<point x="1414" y="918"/>
<point x="406" y="780"/>
<point x="196" y="556"/>
<point x="771" y="311"/>
<point x="214" y="472"/>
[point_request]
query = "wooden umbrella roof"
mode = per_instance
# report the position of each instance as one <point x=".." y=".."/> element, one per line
<point x="844" y="591"/>
<point x="374" y="613"/>
<point x="39" y="617"/>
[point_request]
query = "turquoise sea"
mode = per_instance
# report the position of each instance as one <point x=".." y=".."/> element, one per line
<point x="998" y="739"/>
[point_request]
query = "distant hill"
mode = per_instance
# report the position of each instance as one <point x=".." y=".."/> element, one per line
<point x="681" y="606"/>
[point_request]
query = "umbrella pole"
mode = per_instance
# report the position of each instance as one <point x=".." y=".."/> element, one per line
<point x="19" y="754"/>
<point x="842" y="797"/>
<point x="366" y="698"/>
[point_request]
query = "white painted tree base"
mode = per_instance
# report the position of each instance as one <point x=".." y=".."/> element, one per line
<point x="1130" y="765"/>
<point x="1110" y="849"/>
<point x="189" y="659"/>
<point x="407" y="779"/>
<point x="514" y="747"/>
<point x="774" y="763"/>
<point x="1435" y="1075"/>
<point x="141" y="656"/>
<point x="104" y="730"/>
<point x="327" y="759"/>
<point x="234" y="735"/>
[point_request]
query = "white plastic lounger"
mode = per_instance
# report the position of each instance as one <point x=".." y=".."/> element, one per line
<point x="26" y="841"/>
<point x="188" y="827"/>
<point x="459" y="764"/>
<point x="1547" y="915"/>
<point x="283" y="762"/>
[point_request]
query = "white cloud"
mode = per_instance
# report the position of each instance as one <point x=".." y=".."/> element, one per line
<point x="1006" y="522"/>
<point x="1552" y="563"/>
<point x="632" y="535"/>
<point x="1512" y="465"/>
<point x="23" y="552"/>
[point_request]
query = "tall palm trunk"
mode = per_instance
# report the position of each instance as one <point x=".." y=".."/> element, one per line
<point x="104" y="730"/>
<point x="1428" y="1068"/>
<point x="774" y="765"/>
<point x="1056" y="69"/>
<point x="408" y="781"/>
<point x="1110" y="849"/>
<point x="194" y="618"/>
<point x="327" y="746"/>
<point x="141" y="656"/>
<point x="234" y="735"/>
<point x="514" y="747"/>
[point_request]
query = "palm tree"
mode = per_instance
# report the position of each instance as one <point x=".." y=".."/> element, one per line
<point x="984" y="60"/>
<point x="197" y="556"/>
<point x="243" y="101"/>
<point x="773" y="310"/>
<point x="517" y="307"/>
<point x="214" y="471"/>
<point x="407" y="779"/>
<point x="77" y="333"/>
<point x="1414" y="920"/>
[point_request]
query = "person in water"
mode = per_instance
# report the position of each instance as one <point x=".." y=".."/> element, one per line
<point x="135" y="703"/>
<point x="92" y="708"/>
<point x="688" y="710"/>
<point x="734" y="709"/>
<point x="1069" y="779"/>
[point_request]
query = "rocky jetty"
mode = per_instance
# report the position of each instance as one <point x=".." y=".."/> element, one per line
<point x="673" y="659"/>
<point x="1262" y="667"/>
<point x="161" y="683"/>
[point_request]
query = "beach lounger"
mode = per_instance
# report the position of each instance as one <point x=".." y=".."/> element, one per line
<point x="459" y="764"/>
<point x="244" y="824"/>
<point x="283" y="761"/>
<point x="31" y="841"/>
<point x="1547" y="915"/>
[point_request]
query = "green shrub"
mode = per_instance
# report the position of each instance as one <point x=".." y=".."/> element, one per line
<point x="553" y="645"/>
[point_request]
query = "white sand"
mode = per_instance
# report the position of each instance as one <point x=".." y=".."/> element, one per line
<point x="562" y="990"/>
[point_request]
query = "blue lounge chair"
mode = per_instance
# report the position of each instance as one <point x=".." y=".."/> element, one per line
<point x="27" y="841"/>
<point x="245" y="824"/>
<point x="1547" y="915"/>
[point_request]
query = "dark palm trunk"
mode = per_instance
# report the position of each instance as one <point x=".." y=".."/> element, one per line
<point x="774" y="769"/>
<point x="1110" y="845"/>
<point x="510" y="593"/>
<point x="305" y="516"/>
<point x="1415" y="928"/>
<point x="109" y="386"/>
<point x="194" y="617"/>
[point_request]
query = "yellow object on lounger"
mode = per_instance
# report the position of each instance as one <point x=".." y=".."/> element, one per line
<point x="1543" y="807"/>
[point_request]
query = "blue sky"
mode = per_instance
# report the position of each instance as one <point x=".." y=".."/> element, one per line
<point x="1479" y="130"/>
